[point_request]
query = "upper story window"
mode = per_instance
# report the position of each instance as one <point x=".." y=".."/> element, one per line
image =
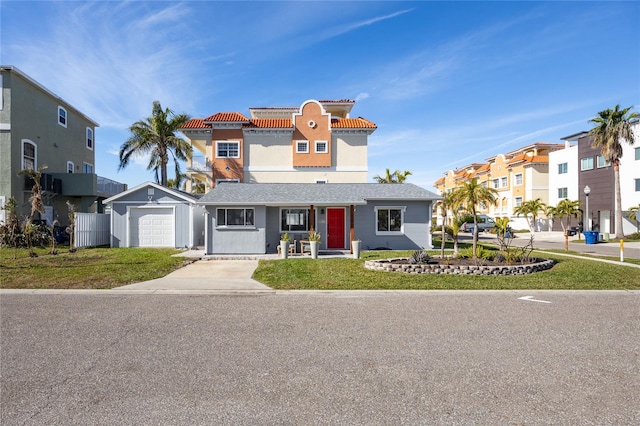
<point x="70" y="167"/>
<point x="390" y="220"/>
<point x="322" y="147"/>
<point x="294" y="220"/>
<point x="496" y="183"/>
<point x="600" y="162"/>
<point x="29" y="152"/>
<point x="586" y="163"/>
<point x="562" y="192"/>
<point x="87" y="168"/>
<point x="228" y="149"/>
<point x="235" y="217"/>
<point x="637" y="150"/>
<point x="483" y="184"/>
<point x="517" y="201"/>
<point x="89" y="138"/>
<point x="62" y="116"/>
<point x="637" y="185"/>
<point x="563" y="168"/>
<point x="302" y="147"/>
<point x="518" y="179"/>
<point x="227" y="180"/>
<point x="504" y="182"/>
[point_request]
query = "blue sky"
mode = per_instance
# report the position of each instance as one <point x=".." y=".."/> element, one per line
<point x="447" y="83"/>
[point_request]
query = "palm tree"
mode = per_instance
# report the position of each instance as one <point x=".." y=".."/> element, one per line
<point x="449" y="202"/>
<point x="37" y="204"/>
<point x="156" y="137"/>
<point x="566" y="209"/>
<point x="612" y="126"/>
<point x="470" y="195"/>
<point x="395" y="177"/>
<point x="533" y="208"/>
<point x="634" y="215"/>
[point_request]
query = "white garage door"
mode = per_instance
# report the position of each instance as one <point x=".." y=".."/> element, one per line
<point x="152" y="227"/>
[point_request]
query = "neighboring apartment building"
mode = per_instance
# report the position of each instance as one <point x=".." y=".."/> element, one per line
<point x="317" y="142"/>
<point x="581" y="166"/>
<point x="39" y="128"/>
<point x="517" y="176"/>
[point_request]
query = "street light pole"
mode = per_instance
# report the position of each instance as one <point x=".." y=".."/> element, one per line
<point x="587" y="191"/>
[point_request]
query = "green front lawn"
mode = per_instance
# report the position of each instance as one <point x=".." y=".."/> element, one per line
<point x="350" y="274"/>
<point x="94" y="268"/>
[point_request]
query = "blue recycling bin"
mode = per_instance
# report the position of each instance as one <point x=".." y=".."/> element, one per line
<point x="591" y="237"/>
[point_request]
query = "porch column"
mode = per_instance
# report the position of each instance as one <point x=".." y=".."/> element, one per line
<point x="352" y="230"/>
<point x="312" y="218"/>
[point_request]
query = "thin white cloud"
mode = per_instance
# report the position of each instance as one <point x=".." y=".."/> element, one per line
<point x="343" y="29"/>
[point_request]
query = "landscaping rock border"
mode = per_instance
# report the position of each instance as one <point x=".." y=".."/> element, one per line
<point x="433" y="268"/>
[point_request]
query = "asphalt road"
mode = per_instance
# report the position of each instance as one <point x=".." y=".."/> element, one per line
<point x="427" y="357"/>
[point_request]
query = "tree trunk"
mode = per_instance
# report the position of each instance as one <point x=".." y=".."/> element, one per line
<point x="443" y="236"/>
<point x="475" y="235"/>
<point x="616" y="174"/>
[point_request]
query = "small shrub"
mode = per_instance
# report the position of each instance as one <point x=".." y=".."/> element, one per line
<point x="420" y="257"/>
<point x="481" y="253"/>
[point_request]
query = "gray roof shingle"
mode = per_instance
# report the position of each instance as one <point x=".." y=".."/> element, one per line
<point x="282" y="194"/>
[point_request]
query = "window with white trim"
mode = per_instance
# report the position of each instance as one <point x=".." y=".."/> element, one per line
<point x="504" y="182"/>
<point x="518" y="179"/>
<point x="236" y="217"/>
<point x="302" y="147"/>
<point x="600" y="162"/>
<point x="389" y="220"/>
<point x="70" y="167"/>
<point x="62" y="116"/>
<point x="637" y="150"/>
<point x="292" y="220"/>
<point x="562" y="192"/>
<point x="90" y="138"/>
<point x="496" y="183"/>
<point x="227" y="149"/>
<point x="322" y="147"/>
<point x="517" y="201"/>
<point x="586" y="163"/>
<point x="227" y="181"/>
<point x="563" y="168"/>
<point x="637" y="185"/>
<point x="29" y="155"/>
<point x="87" y="168"/>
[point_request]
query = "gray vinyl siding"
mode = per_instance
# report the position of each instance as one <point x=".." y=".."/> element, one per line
<point x="249" y="240"/>
<point x="417" y="223"/>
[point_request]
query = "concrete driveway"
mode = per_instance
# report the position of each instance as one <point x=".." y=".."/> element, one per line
<point x="214" y="275"/>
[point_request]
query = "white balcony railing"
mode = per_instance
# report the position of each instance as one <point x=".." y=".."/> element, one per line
<point x="199" y="164"/>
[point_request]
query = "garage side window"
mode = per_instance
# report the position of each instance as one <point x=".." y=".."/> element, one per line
<point x="390" y="220"/>
<point x="235" y="217"/>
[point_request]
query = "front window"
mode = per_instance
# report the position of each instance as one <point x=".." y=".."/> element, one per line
<point x="228" y="149"/>
<point x="390" y="220"/>
<point x="562" y="192"/>
<point x="518" y="179"/>
<point x="517" y="201"/>
<point x="292" y="220"/>
<point x="586" y="163"/>
<point x="87" y="168"/>
<point x="601" y="162"/>
<point x="70" y="166"/>
<point x="563" y="168"/>
<point x="89" y="138"/>
<point x="302" y="147"/>
<point x="322" y="147"/>
<point x="28" y="155"/>
<point x="235" y="217"/>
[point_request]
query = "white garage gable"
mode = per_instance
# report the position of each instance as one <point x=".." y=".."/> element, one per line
<point x="152" y="227"/>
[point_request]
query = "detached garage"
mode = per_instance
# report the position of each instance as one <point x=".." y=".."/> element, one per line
<point x="151" y="215"/>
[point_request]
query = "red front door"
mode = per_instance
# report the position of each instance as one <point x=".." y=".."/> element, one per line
<point x="335" y="228"/>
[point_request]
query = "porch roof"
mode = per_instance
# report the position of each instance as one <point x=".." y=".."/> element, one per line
<point x="327" y="194"/>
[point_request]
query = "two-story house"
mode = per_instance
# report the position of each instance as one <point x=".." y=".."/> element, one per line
<point x="317" y="142"/>
<point x="38" y="128"/>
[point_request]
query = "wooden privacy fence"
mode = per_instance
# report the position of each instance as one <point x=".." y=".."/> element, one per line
<point x="92" y="229"/>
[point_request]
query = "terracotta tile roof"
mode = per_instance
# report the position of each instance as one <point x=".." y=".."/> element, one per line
<point x="528" y="159"/>
<point x="484" y="168"/>
<point x="195" y="123"/>
<point x="227" y="116"/>
<point x="270" y="123"/>
<point x="439" y="181"/>
<point x="352" y="123"/>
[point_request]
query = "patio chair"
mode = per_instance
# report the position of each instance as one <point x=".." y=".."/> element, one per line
<point x="292" y="248"/>
<point x="305" y="246"/>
